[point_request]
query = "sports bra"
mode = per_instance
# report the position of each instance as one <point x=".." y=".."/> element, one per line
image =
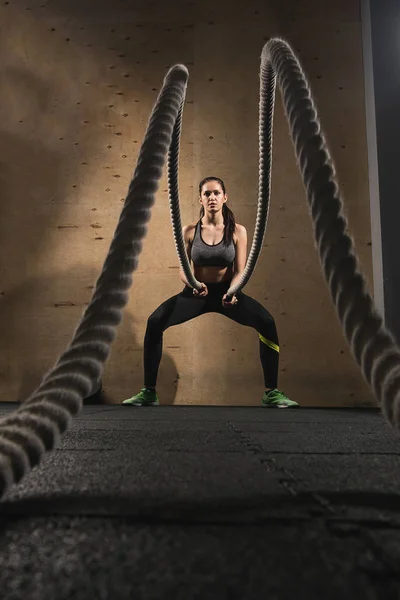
<point x="207" y="255"/>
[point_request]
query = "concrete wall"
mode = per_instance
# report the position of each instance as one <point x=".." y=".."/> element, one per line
<point x="78" y="82"/>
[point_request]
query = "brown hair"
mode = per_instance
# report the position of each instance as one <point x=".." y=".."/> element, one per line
<point x="229" y="217"/>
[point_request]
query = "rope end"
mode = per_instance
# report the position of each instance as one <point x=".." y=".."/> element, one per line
<point x="178" y="72"/>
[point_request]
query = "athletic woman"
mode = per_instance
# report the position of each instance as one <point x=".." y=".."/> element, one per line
<point x="217" y="247"/>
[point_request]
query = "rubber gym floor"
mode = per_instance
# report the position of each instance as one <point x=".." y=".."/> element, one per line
<point x="208" y="503"/>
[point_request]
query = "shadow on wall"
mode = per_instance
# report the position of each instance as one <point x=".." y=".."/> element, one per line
<point x="38" y="315"/>
<point x="31" y="188"/>
<point x="37" y="322"/>
<point x="124" y="370"/>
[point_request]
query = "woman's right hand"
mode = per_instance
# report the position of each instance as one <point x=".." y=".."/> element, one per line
<point x="203" y="292"/>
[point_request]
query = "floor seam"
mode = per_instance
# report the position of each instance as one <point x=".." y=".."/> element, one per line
<point x="377" y="567"/>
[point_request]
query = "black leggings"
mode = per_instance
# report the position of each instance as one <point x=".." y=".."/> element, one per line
<point x="186" y="306"/>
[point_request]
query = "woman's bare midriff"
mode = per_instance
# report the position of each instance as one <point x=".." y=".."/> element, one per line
<point x="212" y="274"/>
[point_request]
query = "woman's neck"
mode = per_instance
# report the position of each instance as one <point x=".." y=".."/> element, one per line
<point x="213" y="219"/>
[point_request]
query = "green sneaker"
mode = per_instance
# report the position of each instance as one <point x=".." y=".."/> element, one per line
<point x="277" y="399"/>
<point x="144" y="398"/>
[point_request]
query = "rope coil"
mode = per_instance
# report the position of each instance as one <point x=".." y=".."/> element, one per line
<point x="37" y="425"/>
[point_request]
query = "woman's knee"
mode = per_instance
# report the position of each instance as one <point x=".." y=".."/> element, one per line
<point x="154" y="324"/>
<point x="268" y="324"/>
<point x="268" y="319"/>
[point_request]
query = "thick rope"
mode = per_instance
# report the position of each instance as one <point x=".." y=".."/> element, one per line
<point x="372" y="345"/>
<point x="266" y="109"/>
<point x="265" y="134"/>
<point x="173" y="192"/>
<point x="37" y="425"/>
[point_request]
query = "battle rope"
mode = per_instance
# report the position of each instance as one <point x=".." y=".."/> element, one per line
<point x="173" y="192"/>
<point x="36" y="426"/>
<point x="266" y="109"/>
<point x="372" y="345"/>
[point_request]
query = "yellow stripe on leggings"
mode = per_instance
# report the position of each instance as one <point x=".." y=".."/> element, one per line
<point x="268" y="342"/>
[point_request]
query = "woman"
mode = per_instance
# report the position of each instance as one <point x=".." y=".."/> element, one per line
<point x="217" y="247"/>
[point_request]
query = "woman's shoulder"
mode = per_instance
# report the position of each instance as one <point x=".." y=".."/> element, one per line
<point x="240" y="230"/>
<point x="188" y="230"/>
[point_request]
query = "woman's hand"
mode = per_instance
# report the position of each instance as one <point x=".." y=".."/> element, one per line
<point x="203" y="292"/>
<point x="231" y="302"/>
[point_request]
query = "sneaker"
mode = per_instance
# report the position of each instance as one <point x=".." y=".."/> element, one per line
<point x="144" y="398"/>
<point x="277" y="399"/>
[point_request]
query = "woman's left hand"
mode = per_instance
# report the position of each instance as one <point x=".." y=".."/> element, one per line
<point x="232" y="302"/>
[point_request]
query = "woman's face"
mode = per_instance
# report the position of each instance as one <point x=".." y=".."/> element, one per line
<point x="212" y="197"/>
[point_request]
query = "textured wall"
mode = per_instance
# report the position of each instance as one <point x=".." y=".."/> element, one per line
<point x="78" y="82"/>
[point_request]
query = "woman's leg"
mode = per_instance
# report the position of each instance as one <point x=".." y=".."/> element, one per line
<point x="253" y="314"/>
<point x="179" y="309"/>
<point x="250" y="312"/>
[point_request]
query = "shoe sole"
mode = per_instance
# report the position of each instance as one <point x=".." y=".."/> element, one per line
<point x="277" y="406"/>
<point x="140" y="405"/>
